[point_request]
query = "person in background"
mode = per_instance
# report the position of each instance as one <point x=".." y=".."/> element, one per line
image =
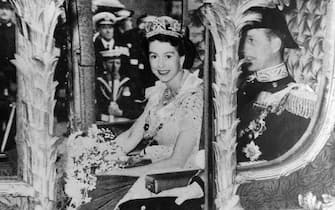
<point x="105" y="40"/>
<point x="8" y="48"/>
<point x="62" y="70"/>
<point x="136" y="67"/>
<point x="107" y="6"/>
<point x="8" y="84"/>
<point x="126" y="22"/>
<point x="138" y="60"/>
<point x="196" y="32"/>
<point x="119" y="10"/>
<point x="117" y="93"/>
<point x="143" y="20"/>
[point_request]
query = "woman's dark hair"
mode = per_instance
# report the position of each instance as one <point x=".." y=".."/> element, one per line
<point x="179" y="43"/>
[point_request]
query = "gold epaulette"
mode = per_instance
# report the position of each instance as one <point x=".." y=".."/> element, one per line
<point x="301" y="101"/>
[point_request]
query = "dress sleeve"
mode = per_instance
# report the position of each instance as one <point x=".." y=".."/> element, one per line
<point x="137" y="127"/>
<point x="191" y="112"/>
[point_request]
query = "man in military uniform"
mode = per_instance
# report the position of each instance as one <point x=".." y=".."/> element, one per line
<point x="274" y="111"/>
<point x="117" y="93"/>
<point x="105" y="40"/>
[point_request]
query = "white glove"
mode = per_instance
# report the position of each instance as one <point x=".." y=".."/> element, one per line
<point x="114" y="109"/>
<point x="188" y="192"/>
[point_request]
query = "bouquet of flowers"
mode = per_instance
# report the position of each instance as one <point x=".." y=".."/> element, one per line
<point x="88" y="153"/>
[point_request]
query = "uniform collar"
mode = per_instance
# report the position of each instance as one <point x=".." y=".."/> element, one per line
<point x="270" y="74"/>
<point x="108" y="44"/>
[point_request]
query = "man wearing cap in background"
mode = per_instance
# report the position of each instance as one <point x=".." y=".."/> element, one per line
<point x="274" y="111"/>
<point x="117" y="93"/>
<point x="104" y="22"/>
<point x="121" y="13"/>
<point x="138" y="65"/>
<point x="106" y="6"/>
<point x="126" y="23"/>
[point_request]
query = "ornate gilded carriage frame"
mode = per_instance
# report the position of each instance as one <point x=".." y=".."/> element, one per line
<point x="222" y="18"/>
<point x="34" y="187"/>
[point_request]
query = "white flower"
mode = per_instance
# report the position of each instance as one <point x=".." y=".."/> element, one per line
<point x="84" y="152"/>
<point x="252" y="151"/>
<point x="73" y="189"/>
<point x="87" y="200"/>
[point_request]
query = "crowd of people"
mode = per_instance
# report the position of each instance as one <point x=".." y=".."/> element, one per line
<point x="119" y="90"/>
<point x="122" y="69"/>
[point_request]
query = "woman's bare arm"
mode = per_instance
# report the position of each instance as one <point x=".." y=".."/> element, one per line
<point x="129" y="139"/>
<point x="182" y="150"/>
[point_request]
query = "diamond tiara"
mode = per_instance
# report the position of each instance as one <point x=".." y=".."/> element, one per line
<point x="164" y="25"/>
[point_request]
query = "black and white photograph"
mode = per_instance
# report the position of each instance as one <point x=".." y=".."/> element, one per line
<point x="167" y="105"/>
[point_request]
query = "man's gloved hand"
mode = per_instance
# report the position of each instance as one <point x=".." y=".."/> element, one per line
<point x="191" y="191"/>
<point x="114" y="109"/>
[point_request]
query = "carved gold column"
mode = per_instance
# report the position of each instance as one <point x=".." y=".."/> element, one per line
<point x="218" y="18"/>
<point x="35" y="60"/>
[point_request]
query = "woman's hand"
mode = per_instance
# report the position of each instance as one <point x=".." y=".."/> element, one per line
<point x="114" y="109"/>
<point x="188" y="192"/>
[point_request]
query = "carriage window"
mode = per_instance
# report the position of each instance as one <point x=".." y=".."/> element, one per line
<point x="153" y="106"/>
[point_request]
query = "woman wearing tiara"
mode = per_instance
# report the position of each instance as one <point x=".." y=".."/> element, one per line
<point x="173" y="115"/>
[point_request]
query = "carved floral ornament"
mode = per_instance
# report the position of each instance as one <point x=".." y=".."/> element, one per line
<point x="35" y="60"/>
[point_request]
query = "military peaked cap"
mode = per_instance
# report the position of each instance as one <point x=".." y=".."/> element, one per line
<point x="272" y="19"/>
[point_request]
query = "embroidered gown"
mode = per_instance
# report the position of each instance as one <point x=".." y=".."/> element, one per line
<point x="163" y="124"/>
